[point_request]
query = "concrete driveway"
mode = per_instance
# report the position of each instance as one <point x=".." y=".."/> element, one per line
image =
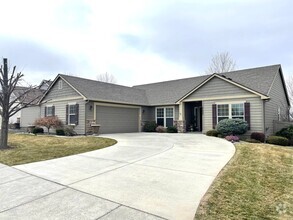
<point x="144" y="176"/>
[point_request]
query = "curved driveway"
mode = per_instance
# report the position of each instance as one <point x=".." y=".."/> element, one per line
<point x="143" y="176"/>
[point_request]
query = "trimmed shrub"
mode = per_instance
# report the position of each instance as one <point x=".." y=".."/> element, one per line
<point x="252" y="141"/>
<point x="161" y="129"/>
<point x="213" y="133"/>
<point x="60" y="131"/>
<point x="232" y="127"/>
<point x="258" y="136"/>
<point x="232" y="138"/>
<point x="38" y="130"/>
<point x="149" y="126"/>
<point x="69" y="131"/>
<point x="286" y="132"/>
<point x="278" y="140"/>
<point x="172" y="129"/>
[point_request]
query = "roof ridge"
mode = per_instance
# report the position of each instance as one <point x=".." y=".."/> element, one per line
<point x="97" y="81"/>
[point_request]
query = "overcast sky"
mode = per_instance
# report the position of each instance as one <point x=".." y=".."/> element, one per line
<point x="143" y="41"/>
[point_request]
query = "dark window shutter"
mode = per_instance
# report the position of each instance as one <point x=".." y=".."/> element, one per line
<point x="76" y="113"/>
<point x="45" y="111"/>
<point x="247" y="113"/>
<point x="214" y="110"/>
<point x="53" y="110"/>
<point x="67" y="114"/>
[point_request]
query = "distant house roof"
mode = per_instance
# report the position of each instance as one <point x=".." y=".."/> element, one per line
<point x="44" y="85"/>
<point x="32" y="96"/>
<point x="258" y="80"/>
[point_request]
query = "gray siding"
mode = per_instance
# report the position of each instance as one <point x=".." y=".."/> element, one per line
<point x="117" y="119"/>
<point x="148" y="113"/>
<point x="60" y="112"/>
<point x="29" y="115"/>
<point x="176" y="112"/>
<point x="256" y="113"/>
<point x="277" y="100"/>
<point x="217" y="88"/>
<point x="65" y="92"/>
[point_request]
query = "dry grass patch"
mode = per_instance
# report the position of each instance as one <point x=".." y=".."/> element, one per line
<point x="256" y="184"/>
<point x="30" y="148"/>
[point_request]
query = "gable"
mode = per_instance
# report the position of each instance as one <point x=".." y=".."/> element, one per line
<point x="216" y="88"/>
<point x="60" y="93"/>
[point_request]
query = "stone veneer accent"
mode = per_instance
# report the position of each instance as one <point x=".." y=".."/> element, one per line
<point x="181" y="125"/>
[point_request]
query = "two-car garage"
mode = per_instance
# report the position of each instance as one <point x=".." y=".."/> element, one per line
<point x="117" y="119"/>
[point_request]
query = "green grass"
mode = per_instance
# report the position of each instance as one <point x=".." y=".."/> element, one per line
<point x="256" y="184"/>
<point x="30" y="148"/>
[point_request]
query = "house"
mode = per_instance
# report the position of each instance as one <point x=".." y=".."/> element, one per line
<point x="256" y="95"/>
<point x="27" y="116"/>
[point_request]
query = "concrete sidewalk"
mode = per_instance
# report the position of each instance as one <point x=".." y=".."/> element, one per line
<point x="144" y="176"/>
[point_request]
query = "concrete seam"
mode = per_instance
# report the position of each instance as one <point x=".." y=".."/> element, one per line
<point x="122" y="166"/>
<point x="15" y="179"/>
<point x="32" y="200"/>
<point x="109" y="212"/>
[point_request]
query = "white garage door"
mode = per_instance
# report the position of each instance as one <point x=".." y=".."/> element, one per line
<point x="117" y="119"/>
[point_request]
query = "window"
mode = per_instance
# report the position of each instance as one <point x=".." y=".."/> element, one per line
<point x="237" y="111"/>
<point x="60" y="84"/>
<point x="72" y="114"/>
<point x="49" y="111"/>
<point x="165" y="116"/>
<point x="234" y="111"/>
<point x="223" y="112"/>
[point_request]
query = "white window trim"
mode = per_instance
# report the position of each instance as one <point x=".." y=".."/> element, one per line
<point x="165" y="107"/>
<point x="49" y="106"/>
<point x="230" y="109"/>
<point x="69" y="104"/>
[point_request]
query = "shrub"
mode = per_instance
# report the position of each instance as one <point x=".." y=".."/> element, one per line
<point x="161" y="129"/>
<point x="232" y="138"/>
<point x="172" y="129"/>
<point x="278" y="140"/>
<point x="232" y="127"/>
<point x="258" y="136"/>
<point x="252" y="141"/>
<point x="286" y="132"/>
<point x="60" y="131"/>
<point x="69" y="131"/>
<point x="38" y="130"/>
<point x="49" y="122"/>
<point x="150" y="126"/>
<point x="213" y="133"/>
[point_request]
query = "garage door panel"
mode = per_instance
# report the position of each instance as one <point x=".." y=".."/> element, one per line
<point x="117" y="119"/>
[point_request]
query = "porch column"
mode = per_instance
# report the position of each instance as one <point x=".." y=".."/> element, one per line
<point x="181" y="119"/>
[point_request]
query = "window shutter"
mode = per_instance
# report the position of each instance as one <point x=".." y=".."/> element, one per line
<point x="67" y="114"/>
<point x="45" y="111"/>
<point x="76" y="113"/>
<point x="247" y="113"/>
<point x="53" y="110"/>
<point x="214" y="110"/>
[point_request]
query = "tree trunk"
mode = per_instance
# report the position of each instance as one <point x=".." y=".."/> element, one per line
<point x="4" y="134"/>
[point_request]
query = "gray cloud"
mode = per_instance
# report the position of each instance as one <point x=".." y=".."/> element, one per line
<point x="34" y="56"/>
<point x="255" y="33"/>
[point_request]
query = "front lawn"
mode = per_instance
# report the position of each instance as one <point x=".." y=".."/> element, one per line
<point x="256" y="184"/>
<point x="30" y="148"/>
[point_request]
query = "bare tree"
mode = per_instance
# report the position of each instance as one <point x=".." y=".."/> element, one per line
<point x="106" y="77"/>
<point x="10" y="106"/>
<point x="220" y="63"/>
<point x="289" y="85"/>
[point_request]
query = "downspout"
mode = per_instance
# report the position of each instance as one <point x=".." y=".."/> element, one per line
<point x="85" y="115"/>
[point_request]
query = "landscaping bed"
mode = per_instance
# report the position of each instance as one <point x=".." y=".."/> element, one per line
<point x="256" y="184"/>
<point x="26" y="148"/>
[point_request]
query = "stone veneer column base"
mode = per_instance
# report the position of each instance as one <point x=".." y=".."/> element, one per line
<point x="181" y="126"/>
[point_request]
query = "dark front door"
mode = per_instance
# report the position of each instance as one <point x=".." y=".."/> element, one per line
<point x="198" y="118"/>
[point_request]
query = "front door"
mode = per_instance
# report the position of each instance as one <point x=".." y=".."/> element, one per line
<point x="197" y="118"/>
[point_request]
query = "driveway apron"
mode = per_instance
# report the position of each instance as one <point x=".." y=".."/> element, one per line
<point x="143" y="176"/>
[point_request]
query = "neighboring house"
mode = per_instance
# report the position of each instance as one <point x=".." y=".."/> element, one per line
<point x="29" y="114"/>
<point x="256" y="95"/>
